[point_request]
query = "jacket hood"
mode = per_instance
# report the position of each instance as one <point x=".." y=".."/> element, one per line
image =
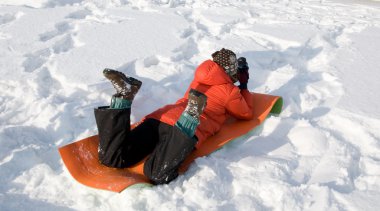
<point x="210" y="73"/>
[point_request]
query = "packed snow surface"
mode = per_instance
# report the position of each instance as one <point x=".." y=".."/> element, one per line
<point x="322" y="57"/>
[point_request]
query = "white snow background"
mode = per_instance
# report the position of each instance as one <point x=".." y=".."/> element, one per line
<point x="322" y="57"/>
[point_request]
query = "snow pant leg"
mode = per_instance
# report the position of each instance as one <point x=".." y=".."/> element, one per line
<point x="173" y="147"/>
<point x="114" y="127"/>
<point x="141" y="142"/>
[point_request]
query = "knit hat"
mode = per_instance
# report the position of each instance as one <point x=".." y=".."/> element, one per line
<point x="227" y="59"/>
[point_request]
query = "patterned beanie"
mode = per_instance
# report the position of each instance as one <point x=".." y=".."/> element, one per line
<point x="227" y="59"/>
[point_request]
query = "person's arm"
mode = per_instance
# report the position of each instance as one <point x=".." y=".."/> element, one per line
<point x="240" y="104"/>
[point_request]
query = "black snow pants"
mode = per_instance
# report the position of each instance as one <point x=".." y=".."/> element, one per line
<point x="121" y="147"/>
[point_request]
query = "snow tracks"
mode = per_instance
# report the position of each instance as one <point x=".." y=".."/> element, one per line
<point x="317" y="155"/>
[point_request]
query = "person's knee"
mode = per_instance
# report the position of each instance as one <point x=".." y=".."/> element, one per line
<point x="116" y="161"/>
<point x="110" y="163"/>
<point x="162" y="179"/>
<point x="159" y="176"/>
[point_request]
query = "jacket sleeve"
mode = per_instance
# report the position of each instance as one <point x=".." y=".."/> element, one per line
<point x="240" y="104"/>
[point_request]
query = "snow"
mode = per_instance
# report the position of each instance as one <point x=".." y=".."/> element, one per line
<point x="321" y="153"/>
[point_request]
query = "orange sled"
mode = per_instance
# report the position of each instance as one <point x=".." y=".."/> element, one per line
<point x="81" y="157"/>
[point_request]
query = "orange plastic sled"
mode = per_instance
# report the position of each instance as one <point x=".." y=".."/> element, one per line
<point x="81" y="157"/>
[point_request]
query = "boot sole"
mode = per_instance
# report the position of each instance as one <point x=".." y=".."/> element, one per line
<point x="129" y="80"/>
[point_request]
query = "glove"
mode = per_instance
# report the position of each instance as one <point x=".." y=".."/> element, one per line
<point x="243" y="74"/>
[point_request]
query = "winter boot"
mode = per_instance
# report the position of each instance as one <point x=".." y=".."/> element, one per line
<point x="126" y="87"/>
<point x="189" y="119"/>
<point x="197" y="102"/>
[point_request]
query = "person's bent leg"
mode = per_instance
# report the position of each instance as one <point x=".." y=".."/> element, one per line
<point x="176" y="142"/>
<point x="174" y="146"/>
<point x="114" y="122"/>
<point x="113" y="126"/>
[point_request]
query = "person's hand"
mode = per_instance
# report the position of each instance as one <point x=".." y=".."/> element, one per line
<point x="243" y="74"/>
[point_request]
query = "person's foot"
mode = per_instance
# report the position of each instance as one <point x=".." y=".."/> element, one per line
<point x="126" y="87"/>
<point x="196" y="104"/>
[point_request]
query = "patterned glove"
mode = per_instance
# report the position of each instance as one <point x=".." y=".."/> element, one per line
<point x="243" y="73"/>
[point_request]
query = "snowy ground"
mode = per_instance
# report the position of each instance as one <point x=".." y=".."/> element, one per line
<point x="321" y="153"/>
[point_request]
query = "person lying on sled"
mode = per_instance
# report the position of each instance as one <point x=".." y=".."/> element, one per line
<point x="167" y="136"/>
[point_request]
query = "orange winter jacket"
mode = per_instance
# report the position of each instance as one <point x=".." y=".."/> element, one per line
<point x="223" y="99"/>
